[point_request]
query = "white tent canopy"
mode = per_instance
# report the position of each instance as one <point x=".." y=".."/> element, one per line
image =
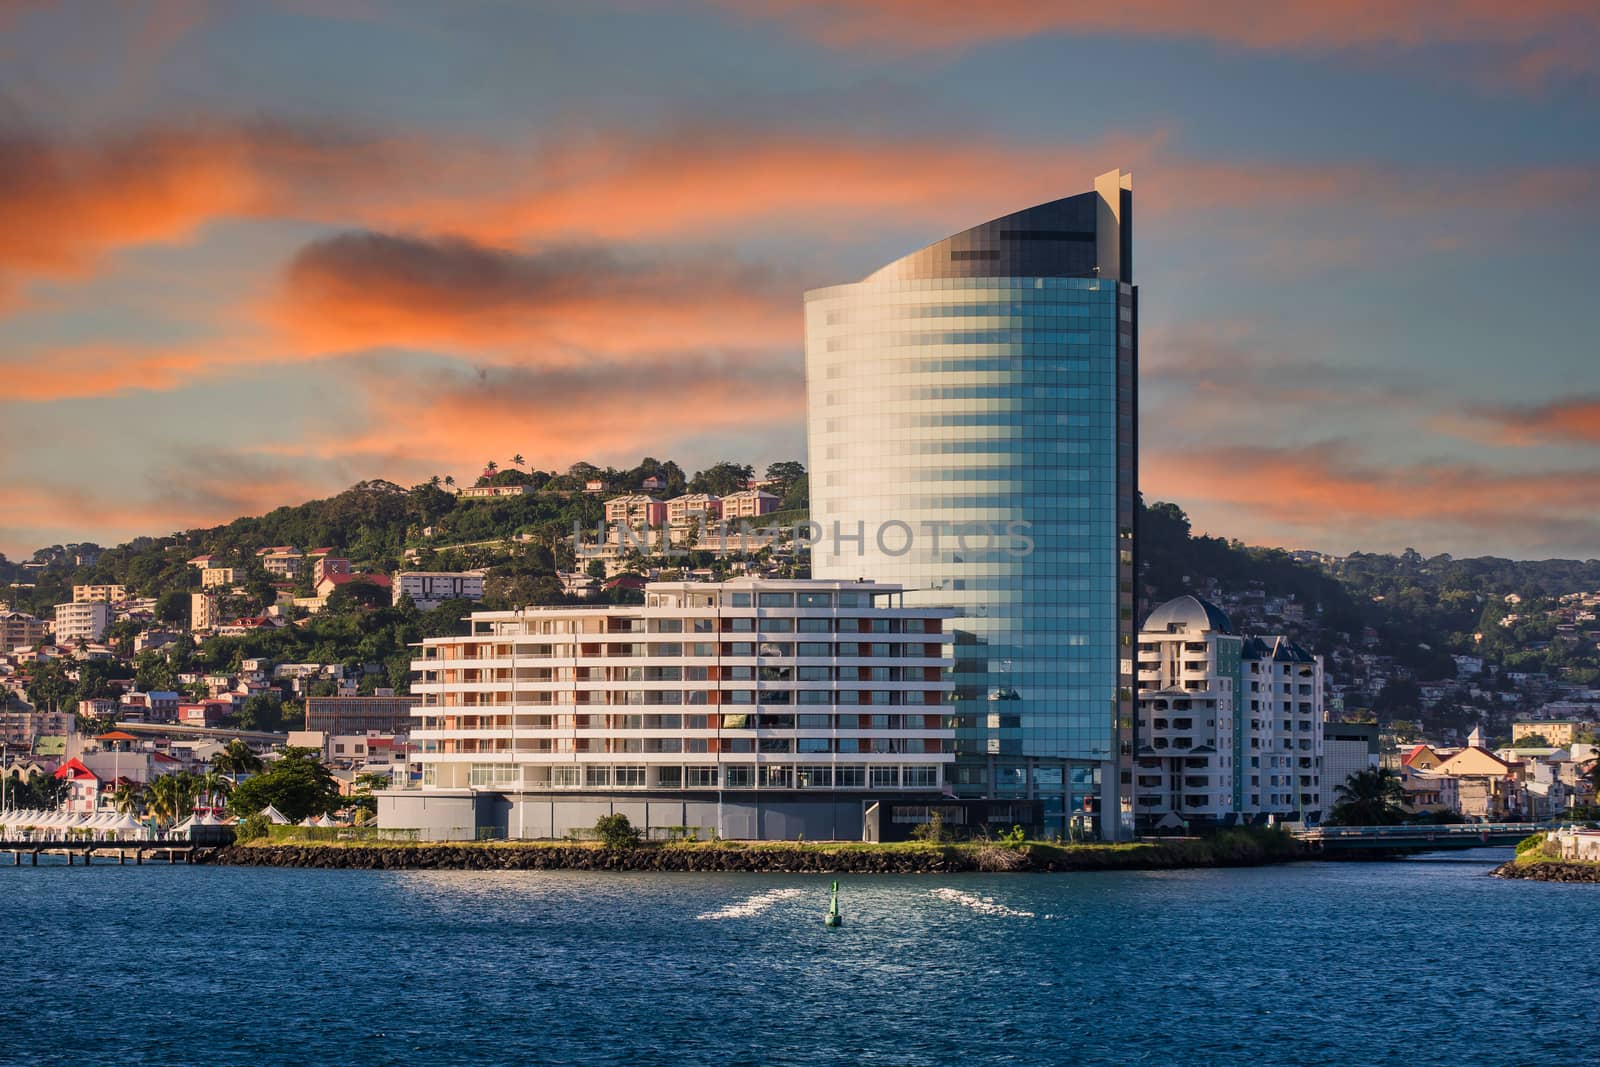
<point x="274" y="816"/>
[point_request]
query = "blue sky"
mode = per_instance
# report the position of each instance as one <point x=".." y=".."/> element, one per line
<point x="251" y="253"/>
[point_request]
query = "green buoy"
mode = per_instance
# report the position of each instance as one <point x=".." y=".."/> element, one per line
<point x="833" y="918"/>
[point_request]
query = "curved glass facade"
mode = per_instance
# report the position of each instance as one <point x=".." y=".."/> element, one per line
<point x="972" y="438"/>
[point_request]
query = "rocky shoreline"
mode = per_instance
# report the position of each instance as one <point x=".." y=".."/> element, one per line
<point x="1549" y="871"/>
<point x="765" y="860"/>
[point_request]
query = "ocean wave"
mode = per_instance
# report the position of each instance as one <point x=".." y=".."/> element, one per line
<point x="753" y="906"/>
<point x="982" y="905"/>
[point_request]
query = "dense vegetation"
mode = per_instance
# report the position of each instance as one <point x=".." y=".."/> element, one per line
<point x="1421" y="609"/>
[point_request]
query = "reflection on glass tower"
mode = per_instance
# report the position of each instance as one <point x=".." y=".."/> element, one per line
<point x="972" y="431"/>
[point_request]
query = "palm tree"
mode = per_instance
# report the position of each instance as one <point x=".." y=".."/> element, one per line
<point x="126" y="798"/>
<point x="517" y="460"/>
<point x="234" y="760"/>
<point x="1373" y="797"/>
<point x="434" y="481"/>
<point x="170" y="797"/>
<point x="490" y="467"/>
<point x="214" y="786"/>
<point x="449" y="479"/>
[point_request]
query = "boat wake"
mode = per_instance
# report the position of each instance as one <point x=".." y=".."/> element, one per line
<point x="983" y="905"/>
<point x="753" y="906"/>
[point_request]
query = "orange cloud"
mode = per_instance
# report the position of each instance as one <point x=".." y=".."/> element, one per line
<point x="1575" y="421"/>
<point x="597" y="410"/>
<point x="1328" y="490"/>
<point x="713" y="179"/>
<point x="64" y="205"/>
<point x="1533" y="30"/>
<point x="365" y="290"/>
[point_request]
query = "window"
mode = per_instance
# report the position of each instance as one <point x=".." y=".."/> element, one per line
<point x="739" y="600"/>
<point x="922" y="777"/>
<point x="812" y="744"/>
<point x="702" y="777"/>
<point x="814" y="649"/>
<point x="885" y="777"/>
<point x="741" y="626"/>
<point x="849" y="777"/>
<point x="596" y="776"/>
<point x="669" y="777"/>
<point x="816" y="600"/>
<point x="630" y="776"/>
<point x="813" y="777"/>
<point x="815" y="626"/>
<point x="737" y="777"/>
<point x="776" y="600"/>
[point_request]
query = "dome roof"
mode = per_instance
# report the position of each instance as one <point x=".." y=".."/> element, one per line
<point x="1189" y="614"/>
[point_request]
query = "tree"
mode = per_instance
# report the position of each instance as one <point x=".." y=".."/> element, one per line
<point x="236" y="759"/>
<point x="214" y="786"/>
<point x="517" y="460"/>
<point x="1369" y="798"/>
<point x="173" y="606"/>
<point x="784" y="474"/>
<point x="615" y="831"/>
<point x="722" y="478"/>
<point x="297" y="784"/>
<point x="171" y="796"/>
<point x="1534" y="741"/>
<point x="126" y="798"/>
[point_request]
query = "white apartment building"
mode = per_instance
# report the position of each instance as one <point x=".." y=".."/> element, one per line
<point x="284" y="561"/>
<point x="752" y="708"/>
<point x="214" y="577"/>
<point x="85" y="619"/>
<point x="104" y="594"/>
<point x="1230" y="728"/>
<point x="204" y="611"/>
<point x="429" y="589"/>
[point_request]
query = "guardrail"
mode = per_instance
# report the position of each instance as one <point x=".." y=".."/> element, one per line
<point x="1446" y="830"/>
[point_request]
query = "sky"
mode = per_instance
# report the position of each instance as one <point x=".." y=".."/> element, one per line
<point x="254" y="252"/>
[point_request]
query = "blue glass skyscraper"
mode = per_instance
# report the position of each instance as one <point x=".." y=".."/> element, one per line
<point x="972" y="429"/>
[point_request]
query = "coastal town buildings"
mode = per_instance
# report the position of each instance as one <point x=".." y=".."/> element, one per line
<point x="1348" y="748"/>
<point x="219" y="577"/>
<point x="491" y="492"/>
<point x="104" y="594"/>
<point x="284" y="561"/>
<point x="638" y="511"/>
<point x="81" y="620"/>
<point x="20" y="630"/>
<point x="971" y="424"/>
<point x="339" y="715"/>
<point x="429" y="589"/>
<point x="748" y="708"/>
<point x="204" y="611"/>
<point x="1559" y="732"/>
<point x="1230" y="727"/>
